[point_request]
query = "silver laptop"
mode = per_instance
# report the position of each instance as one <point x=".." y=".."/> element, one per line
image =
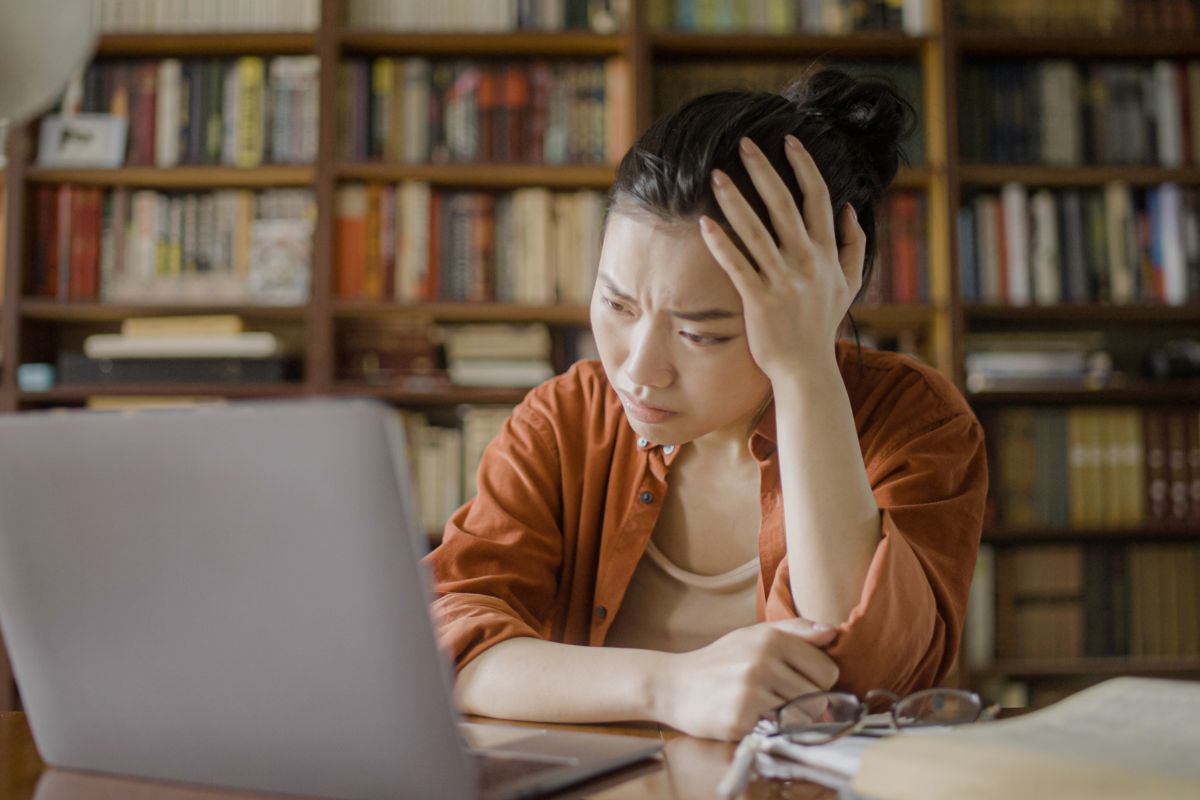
<point x="233" y="595"/>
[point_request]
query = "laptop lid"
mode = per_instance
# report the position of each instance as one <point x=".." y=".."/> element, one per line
<point x="229" y="595"/>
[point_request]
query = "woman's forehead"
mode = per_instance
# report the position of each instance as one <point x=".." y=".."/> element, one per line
<point x="643" y="253"/>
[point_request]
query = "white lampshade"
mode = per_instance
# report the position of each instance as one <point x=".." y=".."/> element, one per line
<point x="41" y="43"/>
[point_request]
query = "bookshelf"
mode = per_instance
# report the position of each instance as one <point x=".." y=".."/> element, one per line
<point x="939" y="326"/>
<point x="1113" y="627"/>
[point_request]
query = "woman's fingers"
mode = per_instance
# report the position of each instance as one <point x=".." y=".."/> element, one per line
<point x="745" y="278"/>
<point x="781" y="205"/>
<point x="818" y="213"/>
<point x="747" y="225"/>
<point x="853" y="248"/>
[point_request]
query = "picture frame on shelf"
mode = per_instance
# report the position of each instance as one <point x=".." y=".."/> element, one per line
<point x="82" y="140"/>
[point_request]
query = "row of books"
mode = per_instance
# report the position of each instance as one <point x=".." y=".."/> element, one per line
<point x="124" y="16"/>
<point x="1066" y="113"/>
<point x="1115" y="467"/>
<point x="901" y="272"/>
<point x="821" y="17"/>
<point x="410" y="242"/>
<point x="452" y="111"/>
<point x="1070" y="601"/>
<point x="679" y="80"/>
<point x="410" y="351"/>
<point x="1081" y="16"/>
<point x="488" y="16"/>
<point x="444" y="459"/>
<point x="1113" y="245"/>
<point x="242" y="112"/>
<point x="1039" y="361"/>
<point x="225" y="246"/>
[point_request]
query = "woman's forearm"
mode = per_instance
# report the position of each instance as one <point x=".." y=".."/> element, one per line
<point x="832" y="521"/>
<point x="531" y="679"/>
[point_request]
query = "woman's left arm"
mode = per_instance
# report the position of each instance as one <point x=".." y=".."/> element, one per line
<point x="882" y="547"/>
<point x="793" y="304"/>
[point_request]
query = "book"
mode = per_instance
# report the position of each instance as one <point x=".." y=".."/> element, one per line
<point x="239" y="345"/>
<point x="1126" y="737"/>
<point x="76" y="368"/>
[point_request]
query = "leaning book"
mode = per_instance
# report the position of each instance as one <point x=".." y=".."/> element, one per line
<point x="1127" y="737"/>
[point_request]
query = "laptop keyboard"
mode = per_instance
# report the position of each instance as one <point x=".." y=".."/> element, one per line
<point x="495" y="771"/>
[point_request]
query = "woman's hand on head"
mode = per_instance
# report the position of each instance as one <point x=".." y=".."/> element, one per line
<point x="722" y="690"/>
<point x="794" y="294"/>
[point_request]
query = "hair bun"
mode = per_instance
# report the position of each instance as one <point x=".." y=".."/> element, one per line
<point x="869" y="111"/>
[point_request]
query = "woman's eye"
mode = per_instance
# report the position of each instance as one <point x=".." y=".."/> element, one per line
<point x="696" y="338"/>
<point x="615" y="306"/>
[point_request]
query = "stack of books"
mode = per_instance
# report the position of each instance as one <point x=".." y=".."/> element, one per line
<point x="1040" y="361"/>
<point x="201" y="349"/>
<point x="403" y="351"/>
<point x="499" y="355"/>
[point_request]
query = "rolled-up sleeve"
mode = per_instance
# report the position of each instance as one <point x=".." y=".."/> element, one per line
<point x="930" y="485"/>
<point x="496" y="571"/>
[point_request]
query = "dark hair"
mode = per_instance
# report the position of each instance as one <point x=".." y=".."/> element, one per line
<point x="852" y="126"/>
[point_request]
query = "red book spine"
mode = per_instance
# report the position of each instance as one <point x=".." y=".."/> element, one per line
<point x="486" y="102"/>
<point x="97" y="231"/>
<point x="428" y="290"/>
<point x="65" y="239"/>
<point x="79" y="243"/>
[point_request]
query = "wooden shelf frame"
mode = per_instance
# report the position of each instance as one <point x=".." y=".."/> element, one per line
<point x="1100" y="666"/>
<point x="181" y="177"/>
<point x="976" y="43"/>
<point x="573" y="44"/>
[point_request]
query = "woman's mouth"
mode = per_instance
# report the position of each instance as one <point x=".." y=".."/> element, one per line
<point x="645" y="413"/>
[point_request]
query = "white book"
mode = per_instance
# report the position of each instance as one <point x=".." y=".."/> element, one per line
<point x="166" y="123"/>
<point x="413" y="251"/>
<point x="1166" y="104"/>
<point x="1170" y="233"/>
<point x="479" y="427"/>
<point x="1118" y="217"/>
<point x="1047" y="287"/>
<point x="981" y="611"/>
<point x="415" y="143"/>
<point x="241" y="345"/>
<point x="1061" y="134"/>
<point x="500" y="374"/>
<point x="914" y="19"/>
<point x="1015" y="198"/>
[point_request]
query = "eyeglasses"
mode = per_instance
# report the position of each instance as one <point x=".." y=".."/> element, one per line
<point x="820" y="717"/>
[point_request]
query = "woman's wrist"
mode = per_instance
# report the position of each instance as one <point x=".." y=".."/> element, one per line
<point x="661" y="673"/>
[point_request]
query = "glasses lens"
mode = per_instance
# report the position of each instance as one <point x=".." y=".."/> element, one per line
<point x="818" y="717"/>
<point x="938" y="707"/>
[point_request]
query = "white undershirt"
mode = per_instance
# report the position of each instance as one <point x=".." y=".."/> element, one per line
<point x="670" y="609"/>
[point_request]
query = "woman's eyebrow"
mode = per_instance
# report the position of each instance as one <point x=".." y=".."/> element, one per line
<point x="691" y="316"/>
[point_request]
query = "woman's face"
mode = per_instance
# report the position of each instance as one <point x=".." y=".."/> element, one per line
<point x="669" y="330"/>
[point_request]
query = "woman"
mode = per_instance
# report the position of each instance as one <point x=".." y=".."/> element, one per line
<point x="738" y="506"/>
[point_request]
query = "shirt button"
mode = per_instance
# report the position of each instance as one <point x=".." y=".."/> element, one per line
<point x="601" y="612"/>
<point x="646" y="497"/>
<point x="669" y="449"/>
<point x="643" y="442"/>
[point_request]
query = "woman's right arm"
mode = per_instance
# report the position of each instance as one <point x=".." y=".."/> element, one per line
<point x="718" y="691"/>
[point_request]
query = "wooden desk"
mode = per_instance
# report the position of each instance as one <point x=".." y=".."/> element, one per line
<point x="688" y="769"/>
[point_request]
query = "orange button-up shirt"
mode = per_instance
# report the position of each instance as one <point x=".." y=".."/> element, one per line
<point x="568" y="497"/>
